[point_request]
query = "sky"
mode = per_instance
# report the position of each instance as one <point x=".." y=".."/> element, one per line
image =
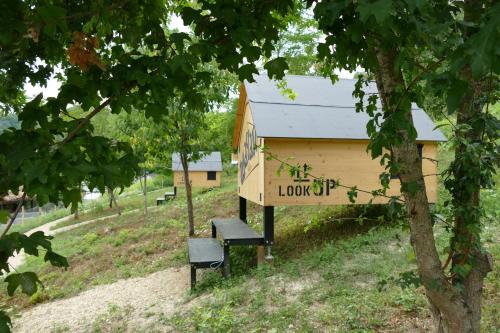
<point x="52" y="87"/>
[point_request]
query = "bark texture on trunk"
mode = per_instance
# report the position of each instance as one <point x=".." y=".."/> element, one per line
<point x="145" y="193"/>
<point x="449" y="309"/>
<point x="189" y="194"/>
<point x="466" y="246"/>
<point x="113" y="201"/>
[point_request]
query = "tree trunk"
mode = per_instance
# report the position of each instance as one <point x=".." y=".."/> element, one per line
<point x="112" y="200"/>
<point x="145" y="193"/>
<point x="76" y="215"/>
<point x="189" y="195"/>
<point x="465" y="244"/>
<point x="450" y="311"/>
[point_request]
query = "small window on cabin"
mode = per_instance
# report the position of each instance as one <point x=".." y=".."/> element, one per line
<point x="211" y="175"/>
<point x="420" y="148"/>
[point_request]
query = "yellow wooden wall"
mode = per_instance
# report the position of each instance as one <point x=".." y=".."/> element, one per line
<point x="250" y="170"/>
<point x="197" y="178"/>
<point x="344" y="160"/>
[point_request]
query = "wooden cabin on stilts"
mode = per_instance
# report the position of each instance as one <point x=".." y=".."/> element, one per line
<point x="319" y="130"/>
<point x="205" y="172"/>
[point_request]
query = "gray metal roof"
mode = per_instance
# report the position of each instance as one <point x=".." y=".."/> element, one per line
<point x="209" y="162"/>
<point x="320" y="110"/>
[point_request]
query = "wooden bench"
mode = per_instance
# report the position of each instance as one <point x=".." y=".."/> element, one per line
<point x="170" y="195"/>
<point x="234" y="231"/>
<point x="204" y="253"/>
<point x="160" y="201"/>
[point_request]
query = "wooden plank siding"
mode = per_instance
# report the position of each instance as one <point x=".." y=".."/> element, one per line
<point x="250" y="161"/>
<point x="343" y="160"/>
<point x="198" y="179"/>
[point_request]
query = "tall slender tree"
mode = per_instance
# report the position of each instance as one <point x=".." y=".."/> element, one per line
<point x="183" y="127"/>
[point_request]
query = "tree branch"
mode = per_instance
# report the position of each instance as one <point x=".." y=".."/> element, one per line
<point x="430" y="159"/>
<point x="417" y="78"/>
<point x="98" y="109"/>
<point x="85" y="120"/>
<point x="448" y="119"/>
<point x="13" y="217"/>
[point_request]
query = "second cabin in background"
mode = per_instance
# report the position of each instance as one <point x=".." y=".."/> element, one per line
<point x="206" y="172"/>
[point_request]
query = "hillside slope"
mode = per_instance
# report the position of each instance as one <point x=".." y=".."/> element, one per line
<point x="326" y="275"/>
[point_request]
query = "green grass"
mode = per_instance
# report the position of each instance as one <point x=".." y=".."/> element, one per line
<point x="39" y="220"/>
<point x="100" y="207"/>
<point x="325" y="277"/>
<point x="126" y="246"/>
<point x="332" y="288"/>
<point x="129" y="199"/>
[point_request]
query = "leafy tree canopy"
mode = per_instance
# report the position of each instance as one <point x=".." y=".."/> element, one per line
<point x="120" y="54"/>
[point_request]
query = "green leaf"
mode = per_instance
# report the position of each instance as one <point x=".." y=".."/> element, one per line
<point x="28" y="281"/>
<point x="4" y="216"/>
<point x="353" y="194"/>
<point x="41" y="239"/>
<point x="455" y="96"/>
<point x="380" y="9"/>
<point x="323" y="50"/>
<point x="56" y="259"/>
<point x="5" y="322"/>
<point x="252" y="53"/>
<point x="246" y="72"/>
<point x="178" y="39"/>
<point x="276" y="68"/>
<point x="485" y="46"/>
<point x="52" y="16"/>
<point x="189" y="15"/>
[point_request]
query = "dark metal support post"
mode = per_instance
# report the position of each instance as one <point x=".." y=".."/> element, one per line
<point x="175" y="191"/>
<point x="214" y="231"/>
<point x="193" y="277"/>
<point x="268" y="231"/>
<point x="268" y="225"/>
<point x="227" y="269"/>
<point x="243" y="209"/>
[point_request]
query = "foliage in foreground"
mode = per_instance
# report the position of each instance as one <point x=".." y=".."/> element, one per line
<point x="119" y="54"/>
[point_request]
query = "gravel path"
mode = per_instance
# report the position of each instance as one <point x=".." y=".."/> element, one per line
<point x="18" y="259"/>
<point x="145" y="298"/>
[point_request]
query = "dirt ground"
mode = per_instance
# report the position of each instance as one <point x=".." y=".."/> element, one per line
<point x="145" y="298"/>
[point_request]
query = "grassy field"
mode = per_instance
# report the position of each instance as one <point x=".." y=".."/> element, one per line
<point x="129" y="199"/>
<point x="326" y="275"/>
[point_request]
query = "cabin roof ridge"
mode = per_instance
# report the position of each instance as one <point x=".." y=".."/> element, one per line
<point x="319" y="109"/>
<point x="210" y="161"/>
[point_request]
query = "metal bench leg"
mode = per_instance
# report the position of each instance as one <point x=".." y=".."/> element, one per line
<point x="214" y="231"/>
<point x="193" y="277"/>
<point x="227" y="269"/>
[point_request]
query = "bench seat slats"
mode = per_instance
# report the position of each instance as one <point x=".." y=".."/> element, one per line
<point x="235" y="231"/>
<point x="204" y="251"/>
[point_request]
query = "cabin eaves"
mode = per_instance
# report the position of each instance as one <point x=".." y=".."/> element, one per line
<point x="319" y="110"/>
<point x="209" y="162"/>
